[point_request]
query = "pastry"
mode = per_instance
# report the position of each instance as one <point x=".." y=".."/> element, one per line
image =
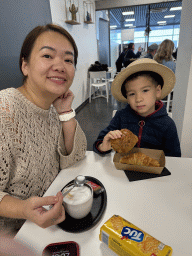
<point x="139" y="159"/>
<point x="124" y="144"/>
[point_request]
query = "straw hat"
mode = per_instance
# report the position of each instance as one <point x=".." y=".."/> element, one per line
<point x="144" y="64"/>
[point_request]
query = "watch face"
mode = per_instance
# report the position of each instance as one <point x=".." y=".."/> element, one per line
<point x="62" y="249"/>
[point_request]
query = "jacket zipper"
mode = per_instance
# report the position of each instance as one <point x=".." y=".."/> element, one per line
<point x="141" y="124"/>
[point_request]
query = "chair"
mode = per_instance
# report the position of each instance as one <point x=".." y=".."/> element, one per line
<point x="98" y="79"/>
<point x="110" y="72"/>
<point x="168" y="100"/>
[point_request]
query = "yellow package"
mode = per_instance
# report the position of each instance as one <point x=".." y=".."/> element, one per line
<point x="126" y="239"/>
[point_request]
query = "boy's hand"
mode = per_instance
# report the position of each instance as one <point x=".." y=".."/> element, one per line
<point x="106" y="144"/>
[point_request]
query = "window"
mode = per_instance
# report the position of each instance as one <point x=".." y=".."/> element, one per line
<point x="158" y="34"/>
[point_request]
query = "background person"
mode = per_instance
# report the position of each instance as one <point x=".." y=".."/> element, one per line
<point x="130" y="54"/>
<point x="151" y="51"/>
<point x="39" y="135"/>
<point x="119" y="61"/>
<point x="164" y="54"/>
<point x="142" y="84"/>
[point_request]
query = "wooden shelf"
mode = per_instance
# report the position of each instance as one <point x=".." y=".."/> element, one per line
<point x="88" y="22"/>
<point x="72" y="22"/>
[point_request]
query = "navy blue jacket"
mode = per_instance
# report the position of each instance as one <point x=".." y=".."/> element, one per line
<point x="130" y="55"/>
<point x="155" y="131"/>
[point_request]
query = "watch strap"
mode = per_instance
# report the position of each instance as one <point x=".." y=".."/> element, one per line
<point x="67" y="116"/>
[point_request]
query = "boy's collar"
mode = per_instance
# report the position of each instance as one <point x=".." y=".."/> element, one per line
<point x="158" y="106"/>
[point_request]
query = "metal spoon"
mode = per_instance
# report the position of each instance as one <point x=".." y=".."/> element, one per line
<point x="79" y="181"/>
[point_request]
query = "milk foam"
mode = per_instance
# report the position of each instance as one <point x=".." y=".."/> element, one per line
<point x="78" y="195"/>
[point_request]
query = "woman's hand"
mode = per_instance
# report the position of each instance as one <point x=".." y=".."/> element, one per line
<point x="34" y="211"/>
<point x="106" y="144"/>
<point x="63" y="103"/>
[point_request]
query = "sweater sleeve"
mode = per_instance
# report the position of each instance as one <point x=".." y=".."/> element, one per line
<point x="6" y="159"/>
<point x="115" y="124"/>
<point x="79" y="148"/>
<point x="171" y="141"/>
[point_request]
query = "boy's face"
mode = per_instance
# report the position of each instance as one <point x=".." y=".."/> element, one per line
<point x="142" y="94"/>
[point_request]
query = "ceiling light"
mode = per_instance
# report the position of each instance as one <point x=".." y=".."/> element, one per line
<point x="176" y="8"/>
<point x="128" y="25"/>
<point x="128" y="13"/>
<point x="113" y="26"/>
<point x="161" y="22"/>
<point x="169" y="16"/>
<point x="130" y="20"/>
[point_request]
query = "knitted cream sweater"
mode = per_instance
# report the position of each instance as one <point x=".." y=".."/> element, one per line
<point x="32" y="150"/>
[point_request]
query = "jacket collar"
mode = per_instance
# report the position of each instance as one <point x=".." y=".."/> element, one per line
<point x="158" y="106"/>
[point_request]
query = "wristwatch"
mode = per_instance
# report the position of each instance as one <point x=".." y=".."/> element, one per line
<point x="67" y="117"/>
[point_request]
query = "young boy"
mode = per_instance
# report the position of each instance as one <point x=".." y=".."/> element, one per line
<point x="142" y="84"/>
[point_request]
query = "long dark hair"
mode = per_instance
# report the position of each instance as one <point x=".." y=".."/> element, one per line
<point x="130" y="45"/>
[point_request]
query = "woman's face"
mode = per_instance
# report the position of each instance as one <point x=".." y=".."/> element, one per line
<point x="50" y="70"/>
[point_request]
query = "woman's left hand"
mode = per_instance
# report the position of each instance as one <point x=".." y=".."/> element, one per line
<point x="63" y="103"/>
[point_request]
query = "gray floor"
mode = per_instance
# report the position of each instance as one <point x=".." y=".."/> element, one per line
<point x="95" y="116"/>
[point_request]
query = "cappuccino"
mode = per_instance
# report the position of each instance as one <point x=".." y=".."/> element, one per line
<point x="78" y="195"/>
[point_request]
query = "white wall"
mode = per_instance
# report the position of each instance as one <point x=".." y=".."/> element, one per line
<point x="85" y="38"/>
<point x="182" y="101"/>
<point x="186" y="132"/>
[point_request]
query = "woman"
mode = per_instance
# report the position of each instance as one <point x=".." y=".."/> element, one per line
<point x="164" y="54"/>
<point x="130" y="54"/>
<point x="39" y="135"/>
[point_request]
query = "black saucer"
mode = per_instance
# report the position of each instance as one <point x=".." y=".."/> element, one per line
<point x="99" y="205"/>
